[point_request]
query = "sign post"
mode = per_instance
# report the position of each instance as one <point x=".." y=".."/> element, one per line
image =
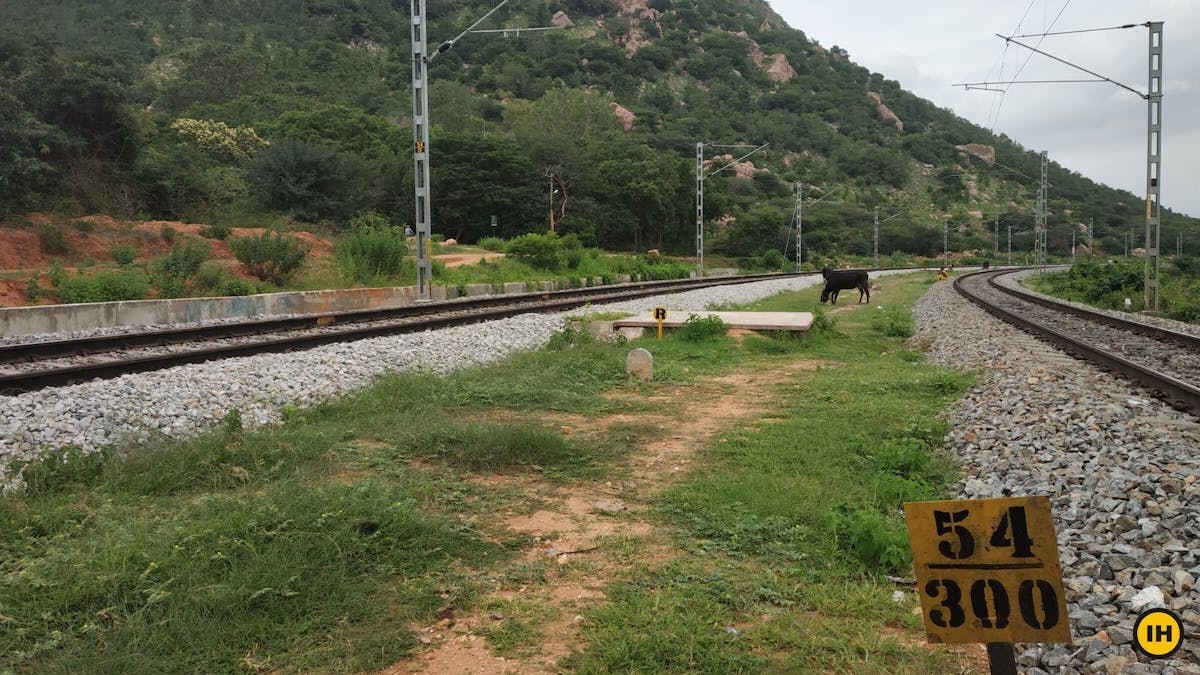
<point x="660" y="313"/>
<point x="987" y="571"/>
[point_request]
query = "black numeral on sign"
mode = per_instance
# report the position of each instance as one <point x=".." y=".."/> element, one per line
<point x="979" y="603"/>
<point x="991" y="605"/>
<point x="945" y="521"/>
<point x="1029" y="608"/>
<point x="1012" y="531"/>
<point x="950" y="602"/>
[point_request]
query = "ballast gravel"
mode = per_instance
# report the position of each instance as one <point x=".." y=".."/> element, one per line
<point x="186" y="400"/>
<point x="1120" y="468"/>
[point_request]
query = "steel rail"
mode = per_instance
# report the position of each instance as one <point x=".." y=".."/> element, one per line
<point x="53" y="349"/>
<point x="482" y="309"/>
<point x="1179" y="394"/>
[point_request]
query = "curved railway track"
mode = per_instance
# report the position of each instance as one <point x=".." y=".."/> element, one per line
<point x="1165" y="362"/>
<point x="38" y="365"/>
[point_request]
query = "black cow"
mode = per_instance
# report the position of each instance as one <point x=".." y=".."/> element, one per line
<point x="840" y="280"/>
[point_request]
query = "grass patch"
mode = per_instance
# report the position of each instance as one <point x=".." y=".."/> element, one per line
<point x="314" y="545"/>
<point x="793" y="520"/>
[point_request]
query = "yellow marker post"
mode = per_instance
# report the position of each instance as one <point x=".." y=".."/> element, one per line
<point x="660" y="313"/>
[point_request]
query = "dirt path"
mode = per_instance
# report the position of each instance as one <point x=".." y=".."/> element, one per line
<point x="574" y="522"/>
<point x="460" y="259"/>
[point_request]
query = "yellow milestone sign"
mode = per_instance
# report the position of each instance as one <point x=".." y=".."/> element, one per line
<point x="987" y="570"/>
<point x="1158" y="633"/>
<point x="660" y="313"/>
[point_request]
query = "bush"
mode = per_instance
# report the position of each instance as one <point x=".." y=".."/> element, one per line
<point x="701" y="328"/>
<point x="773" y="260"/>
<point x="494" y="244"/>
<point x="369" y="219"/>
<point x="57" y="274"/>
<point x="270" y="256"/>
<point x="236" y="287"/>
<point x="52" y="238"/>
<point x="33" y="292"/>
<point x="124" y="254"/>
<point x="168" y="233"/>
<point x="173" y="271"/>
<point x="372" y="253"/>
<point x="541" y="251"/>
<point x="85" y="226"/>
<point x="210" y="276"/>
<point x="220" y="232"/>
<point x="104" y="287"/>
<point x="893" y="323"/>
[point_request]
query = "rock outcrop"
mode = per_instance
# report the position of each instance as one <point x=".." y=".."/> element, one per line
<point x="778" y="70"/>
<point x="624" y="114"/>
<point x="985" y="152"/>
<point x="561" y="20"/>
<point x="885" y="113"/>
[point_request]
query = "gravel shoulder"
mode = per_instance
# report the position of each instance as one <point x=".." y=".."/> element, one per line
<point x="1119" y="467"/>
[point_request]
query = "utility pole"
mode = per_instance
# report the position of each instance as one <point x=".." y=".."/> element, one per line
<point x="1128" y="242"/>
<point x="700" y="176"/>
<point x="1072" y="247"/>
<point x="996" y="235"/>
<point x="799" y="225"/>
<point x="1010" y="244"/>
<point x="876" y="243"/>
<point x="1153" y="164"/>
<point x="700" y="210"/>
<point x="945" y="241"/>
<point x="1039" y="245"/>
<point x="1091" y="237"/>
<point x="1179" y="246"/>
<point x="421" y="149"/>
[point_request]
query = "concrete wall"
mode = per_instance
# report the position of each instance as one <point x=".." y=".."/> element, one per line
<point x="87" y="316"/>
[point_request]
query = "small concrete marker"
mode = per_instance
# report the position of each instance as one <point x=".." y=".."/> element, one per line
<point x="640" y="364"/>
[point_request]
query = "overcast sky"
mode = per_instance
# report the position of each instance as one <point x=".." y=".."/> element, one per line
<point x="1097" y="129"/>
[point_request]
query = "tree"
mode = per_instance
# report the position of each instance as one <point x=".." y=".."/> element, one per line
<point x="309" y="181"/>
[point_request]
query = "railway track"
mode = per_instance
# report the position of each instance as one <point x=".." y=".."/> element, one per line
<point x="38" y="365"/>
<point x="1165" y="362"/>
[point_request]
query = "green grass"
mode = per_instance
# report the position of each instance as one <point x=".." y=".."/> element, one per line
<point x="794" y="519"/>
<point x="315" y="545"/>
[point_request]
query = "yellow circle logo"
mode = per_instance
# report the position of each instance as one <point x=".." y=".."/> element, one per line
<point x="1158" y="633"/>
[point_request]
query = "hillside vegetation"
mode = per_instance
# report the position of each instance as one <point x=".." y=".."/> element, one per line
<point x="239" y="113"/>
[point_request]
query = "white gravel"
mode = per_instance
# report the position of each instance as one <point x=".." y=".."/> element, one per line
<point x="1121" y="470"/>
<point x="186" y="400"/>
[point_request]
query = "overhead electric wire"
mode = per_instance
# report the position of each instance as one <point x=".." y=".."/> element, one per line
<point x="1081" y="30"/>
<point x="1027" y="59"/>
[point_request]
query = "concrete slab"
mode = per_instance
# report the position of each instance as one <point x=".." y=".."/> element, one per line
<point x="793" y="321"/>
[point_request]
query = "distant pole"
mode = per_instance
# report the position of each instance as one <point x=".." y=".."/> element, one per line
<point x="1010" y="243"/>
<point x="1154" y="99"/>
<point x="876" y="237"/>
<point x="700" y="210"/>
<point x="1091" y="237"/>
<point x="1039" y="244"/>
<point x="799" y="224"/>
<point x="1179" y="245"/>
<point x="945" y="241"/>
<point x="1072" y="247"/>
<point x="996" y="235"/>
<point x="1128" y="243"/>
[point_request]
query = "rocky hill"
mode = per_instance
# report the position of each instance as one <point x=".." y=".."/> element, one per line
<point x="204" y="110"/>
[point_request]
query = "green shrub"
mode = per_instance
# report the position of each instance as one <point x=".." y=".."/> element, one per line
<point x="33" y="292"/>
<point x="369" y="219"/>
<point x="124" y="254"/>
<point x="210" y="276"/>
<point x="173" y="271"/>
<point x="236" y="287"/>
<point x="57" y="274"/>
<point x="220" y="232"/>
<point x="541" y="251"/>
<point x="372" y="253"/>
<point x="168" y="233"/>
<point x="893" y="323"/>
<point x="773" y="260"/>
<point x="494" y="244"/>
<point x="701" y="328"/>
<point x="876" y="540"/>
<point x="52" y="238"/>
<point x="822" y="324"/>
<point x="85" y="226"/>
<point x="104" y="287"/>
<point x="270" y="256"/>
